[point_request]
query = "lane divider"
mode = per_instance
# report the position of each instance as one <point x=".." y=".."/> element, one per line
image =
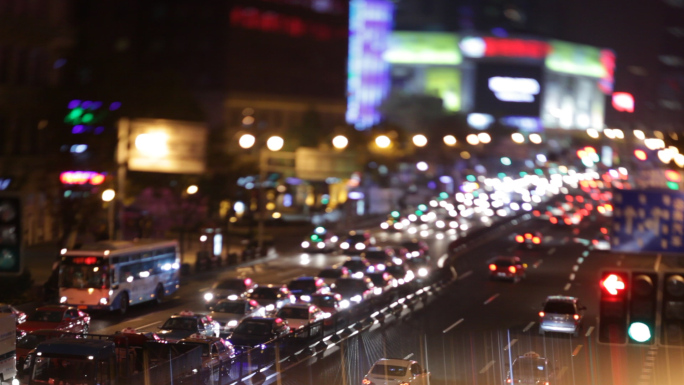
<point x="452" y="326"/>
<point x="591" y="329"/>
<point x="577" y="350"/>
<point x="528" y="327"/>
<point x="490" y="299"/>
<point x="536" y="264"/>
<point x="486" y="368"/>
<point x="567" y="286"/>
<point x="409" y="356"/>
<point x="511" y="344"/>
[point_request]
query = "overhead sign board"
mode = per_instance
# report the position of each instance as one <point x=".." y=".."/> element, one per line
<point x="648" y="221"/>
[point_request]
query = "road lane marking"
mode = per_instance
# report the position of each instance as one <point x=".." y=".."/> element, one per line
<point x="575" y="268"/>
<point x="409" y="356"/>
<point x="562" y="371"/>
<point x="567" y="286"/>
<point x="619" y="263"/>
<point x="511" y="344"/>
<point x="657" y="262"/>
<point x="551" y="251"/>
<point x="580" y="260"/>
<point x="144" y="326"/>
<point x="585" y="253"/>
<point x="486" y="368"/>
<point x="492" y="298"/>
<point x="452" y="326"/>
<point x="577" y="350"/>
<point x="536" y="264"/>
<point x="591" y="329"/>
<point x="572" y="276"/>
<point x="465" y="275"/>
<point x="528" y="327"/>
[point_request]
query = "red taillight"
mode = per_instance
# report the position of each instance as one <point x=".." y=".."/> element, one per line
<point x="553" y="220"/>
<point x="568" y="221"/>
<point x="536" y="240"/>
<point x="541" y="313"/>
<point x="536" y="213"/>
<point x="580" y="199"/>
<point x="595" y="241"/>
<point x="492" y="267"/>
<point x="519" y="238"/>
<point x="528" y="236"/>
<point x="604" y="230"/>
<point x="508" y="380"/>
<point x="576" y="317"/>
<point x="512" y="269"/>
<point x="366" y="381"/>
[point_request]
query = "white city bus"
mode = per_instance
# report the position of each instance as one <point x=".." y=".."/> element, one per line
<point x="111" y="275"/>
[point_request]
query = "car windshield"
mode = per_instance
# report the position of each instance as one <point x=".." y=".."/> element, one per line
<point x="529" y="368"/>
<point x="205" y="347"/>
<point x="330" y="273"/>
<point x="294" y="312"/>
<point x="358" y="238"/>
<point x="377" y="279"/>
<point x="559" y="307"/>
<point x="233" y="284"/>
<point x="254" y="328"/>
<point x="46" y="316"/>
<point x="323" y="301"/>
<point x="304" y="285"/>
<point x="230" y="307"/>
<point x="389" y="370"/>
<point x="503" y="262"/>
<point x="381" y="255"/>
<point x="350" y="285"/>
<point x="264" y="293"/>
<point x="84" y="276"/>
<point x="180" y="324"/>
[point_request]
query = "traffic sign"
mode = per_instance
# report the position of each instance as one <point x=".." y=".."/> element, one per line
<point x="11" y="262"/>
<point x="648" y="221"/>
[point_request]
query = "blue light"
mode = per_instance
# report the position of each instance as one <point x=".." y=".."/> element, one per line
<point x="114" y="106"/>
<point x="78" y="129"/>
<point x="287" y="200"/>
<point x="499" y="32"/>
<point x="74" y="103"/>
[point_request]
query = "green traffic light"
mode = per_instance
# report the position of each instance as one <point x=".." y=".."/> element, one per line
<point x="422" y="207"/>
<point x="639" y="332"/>
<point x="395" y="214"/>
<point x="87" y="118"/>
<point x="443" y="195"/>
<point x="673" y="185"/>
<point x="471" y="178"/>
<point x="419" y="213"/>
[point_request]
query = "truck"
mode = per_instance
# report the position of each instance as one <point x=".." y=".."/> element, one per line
<point x="114" y="360"/>
<point x="8" y="348"/>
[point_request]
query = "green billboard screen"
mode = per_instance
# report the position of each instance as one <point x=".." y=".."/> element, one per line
<point x="434" y="48"/>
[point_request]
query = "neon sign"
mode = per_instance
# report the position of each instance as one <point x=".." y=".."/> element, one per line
<point x="494" y="46"/>
<point x="521" y="90"/>
<point x="82" y="177"/>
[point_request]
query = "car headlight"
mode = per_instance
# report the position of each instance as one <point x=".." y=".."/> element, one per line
<point x="321" y="245"/>
<point x="104" y="300"/>
<point x="232" y="323"/>
<point x="334" y="239"/>
<point x="208" y="296"/>
<point x="305" y="298"/>
<point x="344" y="245"/>
<point x="415" y="253"/>
<point x="358" y="274"/>
<point x="422" y="272"/>
<point x="270" y="307"/>
<point x="357" y="298"/>
<point x="398" y="226"/>
<point x="384" y="226"/>
<point x="63" y="299"/>
<point x="360" y="246"/>
<point x="305" y="244"/>
<point x="344" y="304"/>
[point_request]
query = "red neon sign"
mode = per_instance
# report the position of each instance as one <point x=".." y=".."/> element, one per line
<point x="82" y="177"/>
<point x="84" y="260"/>
<point x="534" y="49"/>
<point x="623" y="101"/>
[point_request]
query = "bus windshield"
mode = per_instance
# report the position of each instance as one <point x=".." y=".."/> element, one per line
<point x="84" y="276"/>
<point x="57" y="370"/>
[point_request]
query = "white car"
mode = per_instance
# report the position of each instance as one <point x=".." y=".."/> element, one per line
<point x="301" y="314"/>
<point x="392" y="372"/>
<point x="229" y="313"/>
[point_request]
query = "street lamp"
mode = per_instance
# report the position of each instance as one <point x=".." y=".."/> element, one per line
<point x="108" y="196"/>
<point x="450" y="140"/>
<point x="535" y="138"/>
<point x="192" y="189"/>
<point x="420" y="140"/>
<point x="275" y="143"/>
<point x="518" y="137"/>
<point x="340" y="142"/>
<point x="247" y="141"/>
<point x="484" y="137"/>
<point x="472" y="139"/>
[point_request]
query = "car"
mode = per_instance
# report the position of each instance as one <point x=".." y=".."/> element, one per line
<point x="383" y="282"/>
<point x="509" y="268"/>
<point x="401" y="272"/>
<point x="29" y="342"/>
<point x="378" y="257"/>
<point x="330" y="303"/>
<point x="357" y="266"/>
<point x="272" y="296"/>
<point x="529" y="239"/>
<point x="18" y="314"/>
<point x="217" y="354"/>
<point x="187" y="323"/>
<point x="561" y="314"/>
<point x="321" y="241"/>
<point x="330" y="274"/>
<point x="530" y="368"/>
<point x="416" y="248"/>
<point x="60" y="317"/>
<point x="255" y="331"/>
<point x="354" y="290"/>
<point x="394" y="223"/>
<point x="357" y="241"/>
<point x="299" y="315"/>
<point x="302" y="287"/>
<point x="387" y="371"/>
<point x="230" y="288"/>
<point x="420" y="266"/>
<point x="229" y="313"/>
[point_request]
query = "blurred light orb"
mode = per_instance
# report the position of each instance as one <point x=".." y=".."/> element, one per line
<point x="518" y="137"/>
<point x="639" y="134"/>
<point x="108" y="195"/>
<point x="275" y="143"/>
<point x="593" y="133"/>
<point x="535" y="138"/>
<point x="465" y="155"/>
<point x="609" y="133"/>
<point x="472" y="139"/>
<point x="541" y="158"/>
<point x="340" y="142"/>
<point x="618" y="133"/>
<point x="450" y="140"/>
<point x="192" y="189"/>
<point x="152" y="144"/>
<point x="383" y="141"/>
<point x="247" y="141"/>
<point x="420" y="140"/>
<point x="484" y="137"/>
<point x="654" y="143"/>
<point x="422" y="166"/>
<point x="506" y="161"/>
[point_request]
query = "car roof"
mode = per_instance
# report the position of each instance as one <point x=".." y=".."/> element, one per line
<point x="561" y="298"/>
<point x="305" y="279"/>
<point x="394" y="361"/>
<point x="239" y="300"/>
<point x="505" y="258"/>
<point x="260" y="319"/>
<point x="297" y="305"/>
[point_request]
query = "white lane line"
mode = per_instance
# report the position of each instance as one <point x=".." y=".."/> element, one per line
<point x="591" y="329"/>
<point x="465" y="275"/>
<point x="528" y="327"/>
<point x="202" y="290"/>
<point x="536" y="264"/>
<point x="409" y="356"/>
<point x="580" y="260"/>
<point x="577" y="350"/>
<point x="490" y="299"/>
<point x="148" y="325"/>
<point x="572" y="276"/>
<point x="486" y="368"/>
<point x="575" y="268"/>
<point x="657" y="262"/>
<point x="511" y="344"/>
<point x="562" y="371"/>
<point x="452" y="326"/>
<point x="567" y="286"/>
<point x="552" y="250"/>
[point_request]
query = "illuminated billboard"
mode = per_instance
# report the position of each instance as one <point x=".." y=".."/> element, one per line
<point x="437" y="48"/>
<point x="508" y="90"/>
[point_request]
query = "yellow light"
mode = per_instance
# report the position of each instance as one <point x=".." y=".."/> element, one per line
<point x="383" y="141"/>
<point x="472" y="139"/>
<point x="609" y="133"/>
<point x="654" y="143"/>
<point x="247" y="141"/>
<point x="484" y="137"/>
<point x="639" y="134"/>
<point x="152" y="144"/>
<point x="535" y="138"/>
<point x="420" y="140"/>
<point x="276" y="215"/>
<point x="593" y="133"/>
<point x="465" y="155"/>
<point x="450" y="140"/>
<point x="679" y="160"/>
<point x="270" y="206"/>
<point x="108" y="195"/>
<point x="248" y="120"/>
<point x="518" y="137"/>
<point x="340" y="142"/>
<point x="618" y="133"/>
<point x="192" y="189"/>
<point x="275" y="143"/>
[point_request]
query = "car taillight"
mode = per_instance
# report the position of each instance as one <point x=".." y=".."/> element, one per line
<point x="576" y="317"/>
<point x="541" y="313"/>
<point x="492" y="267"/>
<point x="508" y="380"/>
<point x="553" y="220"/>
<point x="519" y="238"/>
<point x="536" y="240"/>
<point x="568" y="221"/>
<point x="528" y="236"/>
<point x="512" y="269"/>
<point x="366" y="381"/>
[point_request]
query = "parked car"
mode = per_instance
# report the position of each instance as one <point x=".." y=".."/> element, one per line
<point x="60" y="317"/>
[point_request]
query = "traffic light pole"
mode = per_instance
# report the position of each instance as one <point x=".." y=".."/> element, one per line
<point x="263" y="165"/>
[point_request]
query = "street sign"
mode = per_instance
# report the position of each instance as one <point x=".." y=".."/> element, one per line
<point x="648" y="221"/>
<point x="10" y="235"/>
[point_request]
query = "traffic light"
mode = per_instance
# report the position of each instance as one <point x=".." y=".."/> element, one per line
<point x="613" y="311"/>
<point x="10" y="235"/>
<point x="642" y="307"/>
<point x="672" y="310"/>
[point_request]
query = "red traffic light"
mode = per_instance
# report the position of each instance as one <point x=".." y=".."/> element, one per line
<point x="613" y="284"/>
